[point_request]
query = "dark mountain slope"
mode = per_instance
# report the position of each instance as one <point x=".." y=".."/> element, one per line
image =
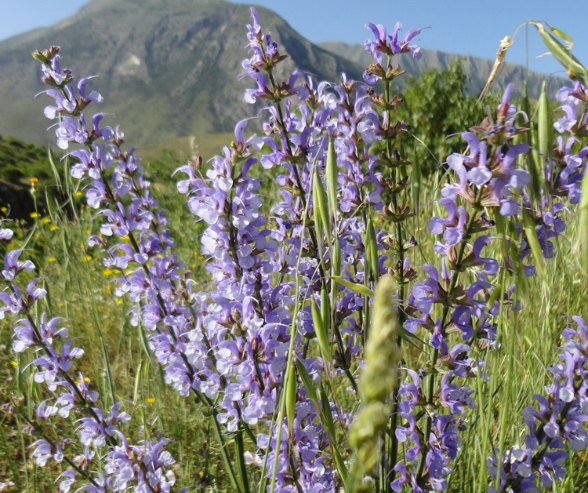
<point x="168" y="68"/>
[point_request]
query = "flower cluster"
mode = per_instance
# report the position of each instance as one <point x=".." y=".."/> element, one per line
<point x="140" y="467"/>
<point x="575" y="119"/>
<point x="483" y="181"/>
<point x="287" y="314"/>
<point x="540" y="455"/>
<point x="557" y="424"/>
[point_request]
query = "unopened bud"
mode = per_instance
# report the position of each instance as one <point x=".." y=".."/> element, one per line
<point x="236" y="330"/>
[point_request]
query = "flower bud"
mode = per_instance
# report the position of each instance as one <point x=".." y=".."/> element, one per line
<point x="336" y="258"/>
<point x="321" y="333"/>
<point x="371" y="248"/>
<point x="331" y="172"/>
<point x="320" y="204"/>
<point x="291" y="385"/>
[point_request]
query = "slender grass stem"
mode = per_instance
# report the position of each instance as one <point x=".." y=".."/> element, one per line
<point x="506" y="401"/>
<point x="225" y="455"/>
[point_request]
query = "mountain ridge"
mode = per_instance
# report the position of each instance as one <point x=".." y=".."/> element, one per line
<point x="168" y="69"/>
<point x="478" y="69"/>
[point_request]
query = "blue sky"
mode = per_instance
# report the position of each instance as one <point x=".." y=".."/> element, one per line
<point x="458" y="26"/>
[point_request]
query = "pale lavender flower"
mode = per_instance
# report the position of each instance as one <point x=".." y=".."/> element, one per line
<point x="13" y="266"/>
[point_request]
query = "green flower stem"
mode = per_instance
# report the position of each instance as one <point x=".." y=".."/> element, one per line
<point x="393" y="446"/>
<point x="87" y="404"/>
<point x="482" y="487"/>
<point x="290" y="358"/>
<point x="311" y="231"/>
<point x="241" y="459"/>
<point x="506" y="400"/>
<point x="225" y="455"/>
<point x="452" y="286"/>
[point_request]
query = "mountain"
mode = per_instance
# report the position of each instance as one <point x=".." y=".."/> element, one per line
<point x="168" y="68"/>
<point x="478" y="69"/>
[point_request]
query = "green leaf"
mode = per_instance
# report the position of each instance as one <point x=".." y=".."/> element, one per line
<point x="309" y="386"/>
<point x="356" y="288"/>
<point x="532" y="160"/>
<point x="575" y="69"/>
<point x="568" y="39"/>
<point x="529" y="227"/>
<point x="137" y="383"/>
<point x="321" y="332"/>
<point x="411" y="338"/>
<point x="320" y="203"/>
<point x="325" y="309"/>
<point x="328" y="422"/>
<point x="582" y="239"/>
<point x="372" y="247"/>
<point x="340" y="467"/>
<point x="544" y="126"/>
<point x="324" y="413"/>
<point x="336" y="258"/>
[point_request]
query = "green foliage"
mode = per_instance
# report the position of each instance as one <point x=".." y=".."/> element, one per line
<point x="19" y="162"/>
<point x="437" y="105"/>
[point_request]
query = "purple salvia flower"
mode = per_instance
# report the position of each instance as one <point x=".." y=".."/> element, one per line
<point x="13" y="266"/>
